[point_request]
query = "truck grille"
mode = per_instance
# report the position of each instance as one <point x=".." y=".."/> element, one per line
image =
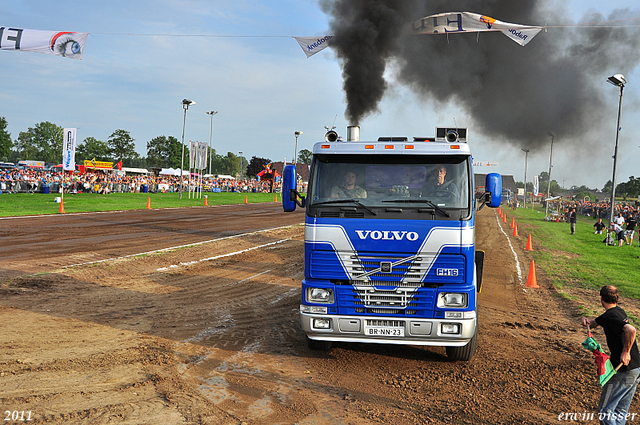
<point x="380" y="299"/>
<point x="412" y="269"/>
<point x="373" y="297"/>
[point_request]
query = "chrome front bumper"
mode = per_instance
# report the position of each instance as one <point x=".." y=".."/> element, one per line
<point x="416" y="331"/>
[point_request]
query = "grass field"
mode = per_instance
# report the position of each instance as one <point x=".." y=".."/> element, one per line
<point x="25" y="204"/>
<point x="581" y="260"/>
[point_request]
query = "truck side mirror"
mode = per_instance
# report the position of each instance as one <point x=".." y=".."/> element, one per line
<point x="492" y="197"/>
<point x="290" y="192"/>
<point x="494" y="186"/>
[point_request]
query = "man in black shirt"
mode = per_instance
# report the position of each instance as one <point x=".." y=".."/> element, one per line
<point x="573" y="217"/>
<point x="618" y="392"/>
<point x="631" y="227"/>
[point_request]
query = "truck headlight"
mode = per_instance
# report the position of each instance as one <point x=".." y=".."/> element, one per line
<point x="452" y="299"/>
<point x="321" y="323"/>
<point x="450" y="328"/>
<point x="320" y="295"/>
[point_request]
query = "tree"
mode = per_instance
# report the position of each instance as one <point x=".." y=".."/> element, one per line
<point x="42" y="142"/>
<point x="256" y="165"/>
<point x="607" y="186"/>
<point x="5" y="139"/>
<point x="121" y="146"/>
<point x="92" y="148"/>
<point x="165" y="152"/>
<point x="629" y="189"/>
<point x="230" y="164"/>
<point x="304" y="156"/>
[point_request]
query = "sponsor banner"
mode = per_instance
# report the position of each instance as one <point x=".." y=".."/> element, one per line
<point x="536" y="185"/>
<point x="92" y="163"/>
<point x="457" y="22"/>
<point x="198" y="155"/>
<point x="69" y="149"/>
<point x="312" y="45"/>
<point x="192" y="155"/>
<point x="60" y="43"/>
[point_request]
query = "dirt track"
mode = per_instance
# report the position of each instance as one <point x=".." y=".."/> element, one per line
<point x="194" y="335"/>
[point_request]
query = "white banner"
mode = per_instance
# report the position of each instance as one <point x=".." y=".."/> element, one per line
<point x="312" y="45"/>
<point x="69" y="149"/>
<point x="457" y="22"/>
<point x="192" y="154"/>
<point x="60" y="43"/>
<point x="202" y="155"/>
<point x="536" y="184"/>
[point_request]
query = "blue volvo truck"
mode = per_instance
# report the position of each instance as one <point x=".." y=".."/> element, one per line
<point x="389" y="241"/>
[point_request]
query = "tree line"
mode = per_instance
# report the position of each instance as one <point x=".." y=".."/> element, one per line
<point x="43" y="142"/>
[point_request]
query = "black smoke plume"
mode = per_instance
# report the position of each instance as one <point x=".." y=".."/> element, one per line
<point x="515" y="93"/>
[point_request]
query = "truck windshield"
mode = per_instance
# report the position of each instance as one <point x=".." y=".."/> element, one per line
<point x="385" y="180"/>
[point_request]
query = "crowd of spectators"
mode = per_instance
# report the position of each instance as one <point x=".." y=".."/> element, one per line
<point x="36" y="180"/>
<point x="621" y="227"/>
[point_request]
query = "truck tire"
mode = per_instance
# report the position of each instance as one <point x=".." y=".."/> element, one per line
<point x="318" y="345"/>
<point x="466" y="352"/>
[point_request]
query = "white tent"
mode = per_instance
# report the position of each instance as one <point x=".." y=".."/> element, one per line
<point x="173" y="172"/>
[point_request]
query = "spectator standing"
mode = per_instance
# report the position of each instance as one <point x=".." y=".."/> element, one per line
<point x="573" y="217"/>
<point x="631" y="228"/>
<point x="618" y="392"/>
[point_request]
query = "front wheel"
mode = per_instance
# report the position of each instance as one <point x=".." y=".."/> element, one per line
<point x="466" y="352"/>
<point x="318" y="345"/>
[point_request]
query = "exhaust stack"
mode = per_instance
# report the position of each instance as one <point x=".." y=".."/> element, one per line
<point x="353" y="133"/>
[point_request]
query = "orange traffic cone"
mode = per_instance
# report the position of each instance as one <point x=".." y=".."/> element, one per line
<point x="61" y="209"/>
<point x="515" y="230"/>
<point x="513" y="222"/>
<point x="500" y="211"/>
<point x="275" y="198"/>
<point x="529" y="245"/>
<point x="245" y="199"/>
<point x="149" y="203"/>
<point x="504" y="218"/>
<point x="532" y="282"/>
<point x="206" y="203"/>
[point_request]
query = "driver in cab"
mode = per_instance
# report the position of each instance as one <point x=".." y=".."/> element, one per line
<point x="438" y="185"/>
<point x="348" y="189"/>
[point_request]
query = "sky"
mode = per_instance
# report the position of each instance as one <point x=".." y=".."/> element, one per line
<point x="239" y="58"/>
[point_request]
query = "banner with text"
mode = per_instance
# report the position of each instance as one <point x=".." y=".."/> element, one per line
<point x="69" y="149"/>
<point x="60" y="43"/>
<point x="458" y="22"/>
<point x="312" y="45"/>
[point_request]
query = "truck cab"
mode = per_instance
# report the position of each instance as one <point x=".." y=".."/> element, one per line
<point x="390" y="242"/>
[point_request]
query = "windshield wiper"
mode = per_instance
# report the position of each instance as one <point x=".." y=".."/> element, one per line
<point x="343" y="201"/>
<point x="421" y="201"/>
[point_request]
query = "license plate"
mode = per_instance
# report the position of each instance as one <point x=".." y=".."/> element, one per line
<point x="383" y="331"/>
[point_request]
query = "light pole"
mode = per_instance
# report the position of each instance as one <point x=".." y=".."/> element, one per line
<point x="546" y="208"/>
<point x="211" y="113"/>
<point x="185" y="105"/>
<point x="618" y="81"/>
<point x="295" y="154"/>
<point x="526" y="156"/>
